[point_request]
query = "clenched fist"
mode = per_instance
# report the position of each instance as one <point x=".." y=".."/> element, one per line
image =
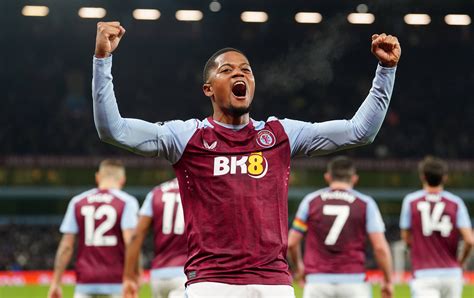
<point x="108" y="37"/>
<point x="387" y="49"/>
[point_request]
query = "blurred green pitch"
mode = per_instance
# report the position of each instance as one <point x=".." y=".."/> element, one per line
<point x="401" y="291"/>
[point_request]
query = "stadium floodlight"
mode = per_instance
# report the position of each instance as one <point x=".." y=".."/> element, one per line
<point x="189" y="15"/>
<point x="417" y="19"/>
<point x="308" y="17"/>
<point x="146" y="14"/>
<point x="215" y="6"/>
<point x="457" y="19"/>
<point x="254" y="16"/>
<point x="92" y="12"/>
<point x="361" y="18"/>
<point x="35" y="11"/>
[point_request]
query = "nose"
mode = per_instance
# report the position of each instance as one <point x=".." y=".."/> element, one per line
<point x="237" y="73"/>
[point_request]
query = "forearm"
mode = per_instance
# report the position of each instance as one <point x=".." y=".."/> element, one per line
<point x="369" y="117"/>
<point x="132" y="255"/>
<point x="384" y="261"/>
<point x="63" y="257"/>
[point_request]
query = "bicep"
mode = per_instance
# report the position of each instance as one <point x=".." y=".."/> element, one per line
<point x="378" y="240"/>
<point x="467" y="235"/>
<point x="127" y="235"/>
<point x="321" y="137"/>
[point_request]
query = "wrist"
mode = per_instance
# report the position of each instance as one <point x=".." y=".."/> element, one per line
<point x="387" y="64"/>
<point x="101" y="54"/>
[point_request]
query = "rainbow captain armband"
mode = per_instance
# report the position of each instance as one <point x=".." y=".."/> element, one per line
<point x="299" y="225"/>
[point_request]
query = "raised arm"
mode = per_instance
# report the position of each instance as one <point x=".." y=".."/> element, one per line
<point x="325" y="137"/>
<point x="142" y="137"/>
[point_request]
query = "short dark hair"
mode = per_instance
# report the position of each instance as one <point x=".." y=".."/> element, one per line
<point x="211" y="62"/>
<point x="433" y="170"/>
<point x="341" y="168"/>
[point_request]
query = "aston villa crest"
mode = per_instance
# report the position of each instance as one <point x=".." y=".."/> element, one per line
<point x="266" y="139"/>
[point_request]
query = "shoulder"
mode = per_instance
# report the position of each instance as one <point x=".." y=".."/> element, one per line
<point x="170" y="185"/>
<point x="313" y="195"/>
<point x="452" y="197"/>
<point x="414" y="196"/>
<point x="363" y="197"/>
<point x="123" y="196"/>
<point x="82" y="195"/>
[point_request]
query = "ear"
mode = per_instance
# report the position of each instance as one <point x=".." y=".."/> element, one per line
<point x="97" y="178"/>
<point x="328" y="178"/>
<point x="354" y="179"/>
<point x="445" y="179"/>
<point x="207" y="89"/>
<point x="122" y="181"/>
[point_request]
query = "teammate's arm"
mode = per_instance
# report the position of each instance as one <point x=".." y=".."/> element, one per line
<point x="131" y="270"/>
<point x="63" y="257"/>
<point x="325" y="137"/>
<point x="468" y="238"/>
<point x="406" y="236"/>
<point x="384" y="260"/>
<point x="294" y="252"/>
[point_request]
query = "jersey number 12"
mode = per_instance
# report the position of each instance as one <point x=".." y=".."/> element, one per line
<point x="94" y="236"/>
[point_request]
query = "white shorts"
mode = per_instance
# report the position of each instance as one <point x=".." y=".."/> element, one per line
<point x="337" y="290"/>
<point x="436" y="287"/>
<point x="80" y="295"/>
<point x="215" y="289"/>
<point x="168" y="287"/>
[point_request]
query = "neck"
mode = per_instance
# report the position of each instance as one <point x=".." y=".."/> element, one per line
<point x="340" y="185"/>
<point x="433" y="189"/>
<point x="229" y="119"/>
<point x="107" y="184"/>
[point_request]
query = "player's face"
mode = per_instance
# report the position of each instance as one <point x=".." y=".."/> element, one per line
<point x="231" y="84"/>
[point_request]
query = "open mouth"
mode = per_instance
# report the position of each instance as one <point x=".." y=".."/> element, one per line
<point x="239" y="89"/>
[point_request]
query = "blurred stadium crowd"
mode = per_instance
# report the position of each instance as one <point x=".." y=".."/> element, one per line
<point x="322" y="73"/>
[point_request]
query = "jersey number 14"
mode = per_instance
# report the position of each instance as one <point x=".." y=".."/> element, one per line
<point x="434" y="221"/>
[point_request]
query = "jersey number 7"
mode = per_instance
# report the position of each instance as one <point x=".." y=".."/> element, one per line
<point x="341" y="213"/>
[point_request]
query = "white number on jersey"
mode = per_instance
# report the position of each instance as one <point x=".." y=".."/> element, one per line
<point x="94" y="236"/>
<point x="170" y="199"/>
<point x="341" y="213"/>
<point x="434" y="221"/>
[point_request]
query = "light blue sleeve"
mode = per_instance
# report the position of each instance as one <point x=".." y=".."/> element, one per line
<point x="462" y="218"/>
<point x="374" y="221"/>
<point x="405" y="218"/>
<point x="303" y="209"/>
<point x="69" y="224"/>
<point x="145" y="138"/>
<point x="147" y="206"/>
<point x="325" y="137"/>
<point x="130" y="214"/>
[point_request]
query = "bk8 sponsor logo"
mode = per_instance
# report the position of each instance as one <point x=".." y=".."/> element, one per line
<point x="255" y="165"/>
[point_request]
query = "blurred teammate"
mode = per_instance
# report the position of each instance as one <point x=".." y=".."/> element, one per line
<point x="232" y="170"/>
<point x="162" y="209"/>
<point x="337" y="221"/>
<point x="431" y="222"/>
<point x="102" y="219"/>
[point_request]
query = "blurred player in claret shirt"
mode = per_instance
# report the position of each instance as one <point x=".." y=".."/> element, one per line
<point x="163" y="211"/>
<point x="102" y="220"/>
<point x="336" y="221"/>
<point x="232" y="170"/>
<point x="432" y="221"/>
